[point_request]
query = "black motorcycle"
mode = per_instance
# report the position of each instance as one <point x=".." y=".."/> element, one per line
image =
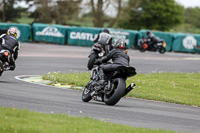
<point x="160" y="46"/>
<point x="97" y="52"/>
<point x="4" y="59"/>
<point x="114" y="87"/>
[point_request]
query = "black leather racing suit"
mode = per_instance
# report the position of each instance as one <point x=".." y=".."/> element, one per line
<point x="152" y="41"/>
<point x="119" y="58"/>
<point x="10" y="42"/>
<point x="104" y="39"/>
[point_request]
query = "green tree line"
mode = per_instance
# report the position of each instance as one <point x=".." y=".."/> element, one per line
<point x="163" y="15"/>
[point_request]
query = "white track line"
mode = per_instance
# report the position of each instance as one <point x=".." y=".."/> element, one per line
<point x="24" y="76"/>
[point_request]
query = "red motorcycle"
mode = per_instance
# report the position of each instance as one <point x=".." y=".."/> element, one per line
<point x="160" y="46"/>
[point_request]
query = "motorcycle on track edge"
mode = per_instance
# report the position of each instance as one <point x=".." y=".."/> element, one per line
<point x="114" y="87"/>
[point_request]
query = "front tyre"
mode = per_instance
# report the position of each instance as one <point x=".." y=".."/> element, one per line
<point x="162" y="50"/>
<point x="142" y="49"/>
<point x="92" y="58"/>
<point x="86" y="97"/>
<point x="117" y="90"/>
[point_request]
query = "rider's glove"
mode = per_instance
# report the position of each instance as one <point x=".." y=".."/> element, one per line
<point x="98" y="61"/>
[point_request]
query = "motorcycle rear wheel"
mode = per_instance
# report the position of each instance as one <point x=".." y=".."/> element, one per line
<point x="91" y="61"/>
<point x="114" y="95"/>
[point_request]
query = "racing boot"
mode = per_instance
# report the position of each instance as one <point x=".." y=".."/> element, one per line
<point x="9" y="68"/>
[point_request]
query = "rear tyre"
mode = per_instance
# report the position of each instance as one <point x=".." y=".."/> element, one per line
<point x="91" y="61"/>
<point x="117" y="90"/>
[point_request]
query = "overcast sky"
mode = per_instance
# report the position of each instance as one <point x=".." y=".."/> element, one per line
<point x="189" y="3"/>
<point x="185" y="3"/>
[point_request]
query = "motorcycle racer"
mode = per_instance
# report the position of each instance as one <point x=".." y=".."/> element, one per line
<point x="152" y="40"/>
<point x="104" y="38"/>
<point x="119" y="57"/>
<point x="10" y="43"/>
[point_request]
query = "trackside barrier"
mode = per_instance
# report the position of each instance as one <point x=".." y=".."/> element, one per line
<point x="128" y="35"/>
<point x="24" y="30"/>
<point x="49" y="33"/>
<point x="167" y="37"/>
<point x="84" y="36"/>
<point x="186" y="43"/>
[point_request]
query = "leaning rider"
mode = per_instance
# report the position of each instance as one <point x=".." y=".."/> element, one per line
<point x="10" y="43"/>
<point x="104" y="38"/>
<point x="152" y="40"/>
<point x="119" y="57"/>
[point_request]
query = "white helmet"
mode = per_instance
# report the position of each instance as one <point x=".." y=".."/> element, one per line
<point x="12" y="31"/>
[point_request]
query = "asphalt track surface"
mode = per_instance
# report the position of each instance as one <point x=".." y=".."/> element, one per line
<point x="39" y="59"/>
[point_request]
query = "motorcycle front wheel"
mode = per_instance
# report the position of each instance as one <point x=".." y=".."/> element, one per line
<point x="162" y="50"/>
<point x="142" y="49"/>
<point x="91" y="60"/>
<point x="86" y="97"/>
<point x="113" y="95"/>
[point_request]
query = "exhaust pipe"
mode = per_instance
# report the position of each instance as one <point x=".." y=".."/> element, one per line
<point x="128" y="89"/>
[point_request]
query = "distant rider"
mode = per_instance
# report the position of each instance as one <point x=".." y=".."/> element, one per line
<point x="10" y="43"/>
<point x="119" y="57"/>
<point x="152" y="40"/>
<point x="105" y="39"/>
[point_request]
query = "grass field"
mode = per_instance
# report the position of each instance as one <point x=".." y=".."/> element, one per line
<point x="23" y="121"/>
<point x="181" y="88"/>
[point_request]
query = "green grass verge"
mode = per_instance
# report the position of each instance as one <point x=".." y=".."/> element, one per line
<point x="24" y="121"/>
<point x="181" y="88"/>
